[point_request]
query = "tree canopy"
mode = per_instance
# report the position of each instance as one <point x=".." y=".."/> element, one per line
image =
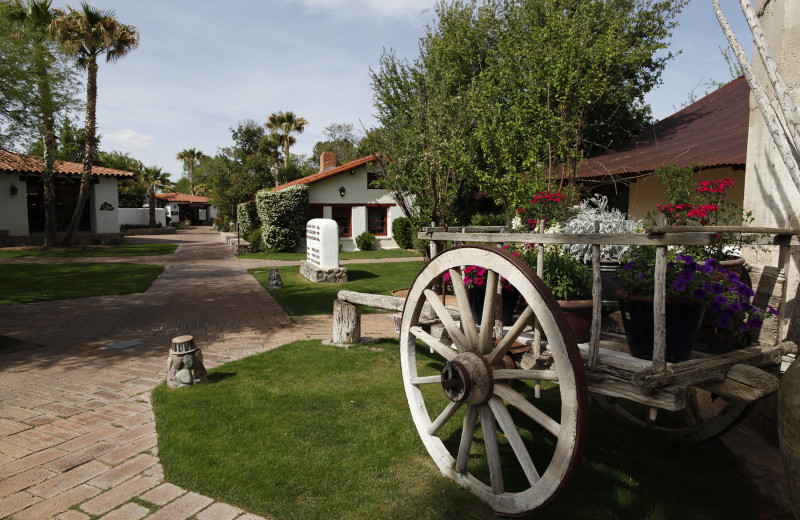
<point x="507" y="96"/>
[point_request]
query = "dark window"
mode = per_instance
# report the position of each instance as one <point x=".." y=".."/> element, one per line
<point x="314" y="211"/>
<point x="377" y="221"/>
<point x="341" y="214"/>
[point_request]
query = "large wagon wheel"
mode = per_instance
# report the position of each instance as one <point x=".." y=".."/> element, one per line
<point x="460" y="393"/>
<point x="705" y="417"/>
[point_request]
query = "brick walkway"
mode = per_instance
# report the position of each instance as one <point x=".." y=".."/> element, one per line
<point x="77" y="434"/>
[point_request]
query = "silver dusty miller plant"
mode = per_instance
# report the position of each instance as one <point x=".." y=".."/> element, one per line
<point x="611" y="221"/>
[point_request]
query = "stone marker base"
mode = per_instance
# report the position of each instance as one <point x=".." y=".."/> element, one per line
<point x="317" y="274"/>
<point x="185" y="363"/>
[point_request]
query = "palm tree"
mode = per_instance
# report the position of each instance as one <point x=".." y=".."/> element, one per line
<point x="86" y="34"/>
<point x="153" y="178"/>
<point x="283" y="125"/>
<point x="40" y="16"/>
<point x="191" y="158"/>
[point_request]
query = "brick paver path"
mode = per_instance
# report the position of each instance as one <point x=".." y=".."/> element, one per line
<point x="77" y="434"/>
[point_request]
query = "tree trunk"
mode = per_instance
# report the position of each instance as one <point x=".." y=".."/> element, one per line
<point x="49" y="141"/>
<point x="89" y="150"/>
<point x="152" y="206"/>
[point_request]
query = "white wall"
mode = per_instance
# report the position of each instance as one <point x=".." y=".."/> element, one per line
<point x="357" y="194"/>
<point x="105" y="191"/>
<point x="141" y="216"/>
<point x="13" y="210"/>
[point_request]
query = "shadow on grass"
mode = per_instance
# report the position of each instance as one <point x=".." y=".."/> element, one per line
<point x="354" y="275"/>
<point x="216" y="377"/>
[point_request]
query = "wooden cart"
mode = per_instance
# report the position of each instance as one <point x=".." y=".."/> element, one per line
<point x="528" y="465"/>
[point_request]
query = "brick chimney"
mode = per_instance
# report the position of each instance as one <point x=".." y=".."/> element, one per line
<point x="327" y="160"/>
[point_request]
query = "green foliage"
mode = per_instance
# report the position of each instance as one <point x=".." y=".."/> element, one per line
<point x="283" y="216"/>
<point x="402" y="233"/>
<point x="254" y="238"/>
<point x="566" y="275"/>
<point x="342" y="141"/>
<point x="28" y="283"/>
<point x="678" y="183"/>
<point x="365" y="241"/>
<point x="247" y="217"/>
<point x="508" y="96"/>
<point x="481" y="219"/>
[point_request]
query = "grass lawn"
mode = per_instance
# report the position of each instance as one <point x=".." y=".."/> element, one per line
<point x="301" y="297"/>
<point x="91" y="252"/>
<point x="28" y="283"/>
<point x="308" y="432"/>
<point x="352" y="255"/>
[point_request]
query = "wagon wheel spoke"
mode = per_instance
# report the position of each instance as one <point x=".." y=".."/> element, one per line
<point x="514" y="439"/>
<point x="508" y="340"/>
<point x="445" y="416"/>
<point x="467" y="434"/>
<point x="523" y="405"/>
<point x="440" y="348"/>
<point x="467" y="320"/>
<point x="492" y="450"/>
<point x="487" y="319"/>
<point x="426" y="380"/>
<point x="449" y="324"/>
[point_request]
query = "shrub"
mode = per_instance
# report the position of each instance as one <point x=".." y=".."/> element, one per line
<point x="403" y="233"/>
<point x="255" y="240"/>
<point x="283" y="216"/>
<point x="479" y="219"/>
<point x="246" y="216"/>
<point x="365" y="240"/>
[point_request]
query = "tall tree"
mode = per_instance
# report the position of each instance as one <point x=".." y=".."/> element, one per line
<point x="283" y="125"/>
<point x="191" y="158"/>
<point x="342" y="140"/>
<point x="87" y="34"/>
<point x="153" y="178"/>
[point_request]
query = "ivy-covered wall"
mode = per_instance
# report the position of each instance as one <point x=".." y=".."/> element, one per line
<point x="246" y="216"/>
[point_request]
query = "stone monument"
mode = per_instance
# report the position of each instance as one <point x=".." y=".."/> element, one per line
<point x="185" y="363"/>
<point x="322" y="252"/>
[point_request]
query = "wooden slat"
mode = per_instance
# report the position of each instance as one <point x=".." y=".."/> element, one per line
<point x="451" y="408"/>
<point x="512" y="336"/>
<point x="523" y="405"/>
<point x="723" y="229"/>
<point x="659" y="311"/>
<point x="489" y="428"/>
<point x="745" y="383"/>
<point x="467" y="435"/>
<point x="452" y="329"/>
<point x="443" y="350"/>
<point x="514" y="439"/>
<point x="641" y="239"/>
<point x="530" y="375"/>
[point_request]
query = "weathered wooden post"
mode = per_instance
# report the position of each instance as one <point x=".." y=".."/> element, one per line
<point x="346" y="323"/>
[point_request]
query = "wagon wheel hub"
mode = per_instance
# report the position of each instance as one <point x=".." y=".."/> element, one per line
<point x="468" y="379"/>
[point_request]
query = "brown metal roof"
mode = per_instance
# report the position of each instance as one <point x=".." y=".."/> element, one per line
<point x="16" y="162"/>
<point x="711" y="132"/>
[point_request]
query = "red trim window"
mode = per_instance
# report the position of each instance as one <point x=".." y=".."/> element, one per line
<point x="314" y="211"/>
<point x="342" y="216"/>
<point x="376" y="218"/>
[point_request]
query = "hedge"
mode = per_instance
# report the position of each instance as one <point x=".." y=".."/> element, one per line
<point x="283" y="216"/>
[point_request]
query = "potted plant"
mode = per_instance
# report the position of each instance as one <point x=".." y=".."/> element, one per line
<point x="693" y="288"/>
<point x="591" y="210"/>
<point x="570" y="281"/>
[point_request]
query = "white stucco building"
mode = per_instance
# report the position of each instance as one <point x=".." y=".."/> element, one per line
<point x="347" y="195"/>
<point x="22" y="197"/>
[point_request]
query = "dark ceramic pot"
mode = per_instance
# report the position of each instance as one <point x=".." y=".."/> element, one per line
<point x="682" y="323"/>
<point x="476" y="297"/>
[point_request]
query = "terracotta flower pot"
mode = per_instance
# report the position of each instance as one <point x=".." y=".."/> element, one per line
<point x="579" y="317"/>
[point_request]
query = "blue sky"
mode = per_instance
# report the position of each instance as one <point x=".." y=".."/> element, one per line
<point x="201" y="67"/>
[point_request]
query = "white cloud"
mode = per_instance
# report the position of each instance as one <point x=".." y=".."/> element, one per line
<point x="128" y="138"/>
<point x="382" y="8"/>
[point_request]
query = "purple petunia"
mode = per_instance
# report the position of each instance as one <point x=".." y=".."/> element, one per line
<point x="629" y="266"/>
<point x="679" y="285"/>
<point x="723" y="322"/>
<point x="717" y="288"/>
<point x="700" y="294"/>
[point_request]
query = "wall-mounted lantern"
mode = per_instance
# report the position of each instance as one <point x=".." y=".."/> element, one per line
<point x="15" y="190"/>
<point x="341" y="191"/>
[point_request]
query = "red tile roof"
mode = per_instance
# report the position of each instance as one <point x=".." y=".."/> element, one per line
<point x="16" y="162"/>
<point x="711" y="131"/>
<point x="180" y="197"/>
<point x="330" y="172"/>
